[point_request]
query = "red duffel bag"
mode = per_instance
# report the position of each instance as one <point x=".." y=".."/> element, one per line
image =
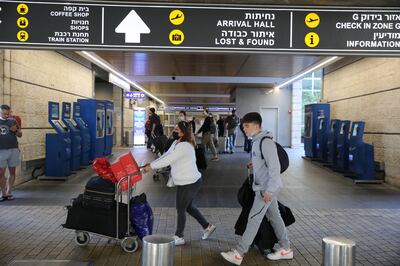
<point x="124" y="166"/>
<point x="103" y="168"/>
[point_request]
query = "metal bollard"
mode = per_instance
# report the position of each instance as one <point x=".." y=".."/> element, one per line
<point x="158" y="250"/>
<point x="338" y="251"/>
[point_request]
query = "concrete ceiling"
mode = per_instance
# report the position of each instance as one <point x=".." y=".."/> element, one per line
<point x="190" y="74"/>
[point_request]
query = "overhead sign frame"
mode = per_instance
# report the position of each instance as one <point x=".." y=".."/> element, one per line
<point x="136" y="95"/>
<point x="200" y="28"/>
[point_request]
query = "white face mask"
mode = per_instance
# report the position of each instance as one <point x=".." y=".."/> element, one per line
<point x="251" y="135"/>
<point x="181" y="118"/>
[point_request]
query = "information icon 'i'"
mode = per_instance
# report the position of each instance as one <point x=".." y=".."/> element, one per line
<point x="311" y="39"/>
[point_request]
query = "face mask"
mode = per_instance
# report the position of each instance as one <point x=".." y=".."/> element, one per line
<point x="175" y="135"/>
<point x="181" y="118"/>
<point x="251" y="135"/>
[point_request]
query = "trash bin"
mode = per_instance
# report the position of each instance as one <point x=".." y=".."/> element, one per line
<point x="158" y="250"/>
<point x="129" y="140"/>
<point x="338" y="251"/>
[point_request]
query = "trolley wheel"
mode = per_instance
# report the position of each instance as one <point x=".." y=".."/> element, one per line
<point x="82" y="238"/>
<point x="130" y="244"/>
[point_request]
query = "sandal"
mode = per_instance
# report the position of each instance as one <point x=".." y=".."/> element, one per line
<point x="10" y="197"/>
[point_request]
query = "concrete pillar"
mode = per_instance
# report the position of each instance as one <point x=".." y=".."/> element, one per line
<point x="296" y="114"/>
<point x="118" y="115"/>
<point x="5" y="72"/>
<point x="1" y="75"/>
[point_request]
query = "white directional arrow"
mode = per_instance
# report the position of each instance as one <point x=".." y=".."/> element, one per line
<point x="132" y="25"/>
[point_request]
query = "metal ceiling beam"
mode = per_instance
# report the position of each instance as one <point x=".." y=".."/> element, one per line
<point x="210" y="79"/>
<point x="193" y="95"/>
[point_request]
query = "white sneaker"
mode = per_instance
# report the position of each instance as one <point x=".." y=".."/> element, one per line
<point x="179" y="241"/>
<point x="281" y="254"/>
<point x="208" y="231"/>
<point x="232" y="256"/>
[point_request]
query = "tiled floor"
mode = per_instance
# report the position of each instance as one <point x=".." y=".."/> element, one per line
<point x="33" y="232"/>
<point x="324" y="203"/>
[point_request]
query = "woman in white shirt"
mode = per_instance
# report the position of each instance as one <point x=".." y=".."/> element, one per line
<point x="181" y="157"/>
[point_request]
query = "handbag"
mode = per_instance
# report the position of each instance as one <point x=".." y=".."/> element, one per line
<point x="170" y="182"/>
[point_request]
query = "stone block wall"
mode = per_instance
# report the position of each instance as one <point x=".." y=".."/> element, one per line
<point x="369" y="90"/>
<point x="29" y="80"/>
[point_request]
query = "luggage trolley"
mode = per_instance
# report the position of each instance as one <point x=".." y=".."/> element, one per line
<point x="129" y="240"/>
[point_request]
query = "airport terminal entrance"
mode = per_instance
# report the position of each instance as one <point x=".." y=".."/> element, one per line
<point x="102" y="65"/>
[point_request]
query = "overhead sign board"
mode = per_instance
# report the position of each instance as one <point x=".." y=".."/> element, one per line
<point x="95" y="25"/>
<point x="134" y="95"/>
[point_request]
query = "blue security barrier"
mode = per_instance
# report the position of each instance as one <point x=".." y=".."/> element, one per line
<point x="74" y="134"/>
<point x="85" y="134"/>
<point x="311" y="115"/>
<point x="322" y="139"/>
<point x="93" y="113"/>
<point x="109" y="127"/>
<point x="333" y="134"/>
<point x="58" y="146"/>
<point x="361" y="155"/>
<point x="342" y="147"/>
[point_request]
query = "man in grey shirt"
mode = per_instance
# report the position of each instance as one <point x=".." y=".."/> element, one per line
<point x="9" y="151"/>
<point x="266" y="185"/>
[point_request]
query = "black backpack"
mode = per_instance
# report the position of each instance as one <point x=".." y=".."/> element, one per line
<point x="213" y="128"/>
<point x="283" y="156"/>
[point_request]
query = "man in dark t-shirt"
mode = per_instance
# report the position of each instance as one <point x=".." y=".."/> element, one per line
<point x="232" y="122"/>
<point x="155" y="123"/>
<point x="193" y="125"/>
<point x="9" y="151"/>
<point x="206" y="130"/>
<point x="221" y="127"/>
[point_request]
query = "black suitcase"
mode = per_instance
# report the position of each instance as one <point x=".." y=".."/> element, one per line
<point x="265" y="238"/>
<point x="99" y="221"/>
<point x="160" y="143"/>
<point x="201" y="161"/>
<point x="169" y="144"/>
<point x="99" y="193"/>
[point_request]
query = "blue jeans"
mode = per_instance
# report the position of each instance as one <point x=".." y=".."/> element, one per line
<point x="231" y="142"/>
